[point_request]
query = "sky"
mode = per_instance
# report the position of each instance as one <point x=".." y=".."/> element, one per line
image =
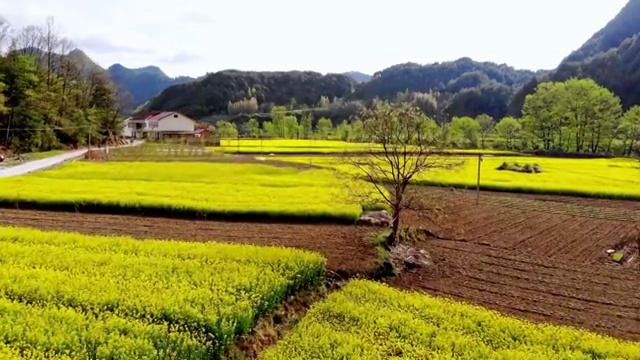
<point x="194" y="37"/>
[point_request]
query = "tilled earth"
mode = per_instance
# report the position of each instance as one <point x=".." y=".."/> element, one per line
<point x="346" y="248"/>
<point x="539" y="258"/>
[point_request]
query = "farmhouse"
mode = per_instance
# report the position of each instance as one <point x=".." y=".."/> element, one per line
<point x="158" y="125"/>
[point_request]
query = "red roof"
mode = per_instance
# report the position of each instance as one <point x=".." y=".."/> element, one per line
<point x="153" y="116"/>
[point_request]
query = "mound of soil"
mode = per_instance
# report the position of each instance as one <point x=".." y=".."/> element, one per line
<point x="96" y="155"/>
<point x="526" y="168"/>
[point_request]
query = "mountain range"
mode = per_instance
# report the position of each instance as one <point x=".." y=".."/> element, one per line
<point x="611" y="57"/>
<point x="144" y="83"/>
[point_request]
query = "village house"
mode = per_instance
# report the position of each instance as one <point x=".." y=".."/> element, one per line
<point x="158" y="125"/>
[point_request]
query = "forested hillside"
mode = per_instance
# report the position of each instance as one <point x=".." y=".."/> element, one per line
<point x="212" y="94"/>
<point x="611" y="58"/>
<point x="358" y="76"/>
<point x="460" y="88"/>
<point x="51" y="96"/>
<point x="473" y="88"/>
<point x="144" y="83"/>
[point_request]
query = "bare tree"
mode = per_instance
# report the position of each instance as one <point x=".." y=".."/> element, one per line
<point x="51" y="42"/>
<point x="405" y="143"/>
<point x="5" y="32"/>
<point x="29" y="40"/>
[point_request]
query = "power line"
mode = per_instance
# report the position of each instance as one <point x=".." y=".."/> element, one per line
<point x="50" y="128"/>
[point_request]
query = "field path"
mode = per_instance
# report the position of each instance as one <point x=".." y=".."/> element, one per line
<point x="46" y="163"/>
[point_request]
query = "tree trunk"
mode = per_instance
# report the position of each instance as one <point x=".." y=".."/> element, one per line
<point x="395" y="228"/>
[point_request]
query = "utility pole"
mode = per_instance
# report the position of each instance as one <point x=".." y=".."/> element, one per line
<point x="478" y="184"/>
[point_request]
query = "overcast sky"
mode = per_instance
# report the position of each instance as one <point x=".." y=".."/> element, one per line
<point x="192" y="37"/>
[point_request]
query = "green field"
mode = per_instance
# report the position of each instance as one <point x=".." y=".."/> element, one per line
<point x="605" y="178"/>
<point x="293" y="146"/>
<point x="192" y="189"/>
<point x="69" y="296"/>
<point x="366" y="320"/>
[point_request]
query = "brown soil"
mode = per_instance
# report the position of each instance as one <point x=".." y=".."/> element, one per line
<point x="538" y="260"/>
<point x="275" y="325"/>
<point x="346" y="248"/>
<point x="535" y="257"/>
<point x="96" y="155"/>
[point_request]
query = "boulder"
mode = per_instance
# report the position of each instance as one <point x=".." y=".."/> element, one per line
<point x="375" y="218"/>
<point x="408" y="257"/>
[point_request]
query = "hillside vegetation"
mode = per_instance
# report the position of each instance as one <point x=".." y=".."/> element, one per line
<point x="212" y="94"/>
<point x="144" y="83"/>
<point x="460" y="88"/>
<point x="611" y="57"/>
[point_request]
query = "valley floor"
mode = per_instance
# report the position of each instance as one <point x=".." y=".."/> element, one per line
<point x="538" y="258"/>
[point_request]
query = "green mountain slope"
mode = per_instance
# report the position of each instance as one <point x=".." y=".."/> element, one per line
<point x="212" y="94"/>
<point x="611" y="57"/>
<point x="358" y="76"/>
<point x="143" y="83"/>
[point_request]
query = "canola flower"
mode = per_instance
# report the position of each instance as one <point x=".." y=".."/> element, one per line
<point x="192" y="189"/>
<point x="367" y="320"/>
<point x="68" y="294"/>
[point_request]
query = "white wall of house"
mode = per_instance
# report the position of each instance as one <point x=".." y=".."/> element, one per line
<point x="175" y="122"/>
<point x="127" y="131"/>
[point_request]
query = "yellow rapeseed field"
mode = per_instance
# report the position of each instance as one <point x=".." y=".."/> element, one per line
<point x="307" y="146"/>
<point x="606" y="178"/>
<point x="192" y="189"/>
<point x="367" y="320"/>
<point x="70" y="296"/>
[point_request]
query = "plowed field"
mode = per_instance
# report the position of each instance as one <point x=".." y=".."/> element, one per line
<point x="345" y="247"/>
<point x="540" y="260"/>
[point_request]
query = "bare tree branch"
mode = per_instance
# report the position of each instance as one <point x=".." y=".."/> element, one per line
<point x="403" y="150"/>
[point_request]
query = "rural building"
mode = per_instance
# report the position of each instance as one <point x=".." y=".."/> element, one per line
<point x="202" y="133"/>
<point x="158" y="125"/>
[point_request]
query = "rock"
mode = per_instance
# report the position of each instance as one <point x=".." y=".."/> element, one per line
<point x="375" y="218"/>
<point x="408" y="257"/>
<point x="610" y="251"/>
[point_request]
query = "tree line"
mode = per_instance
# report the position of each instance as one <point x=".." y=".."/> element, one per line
<point x="575" y="116"/>
<point x="49" y="99"/>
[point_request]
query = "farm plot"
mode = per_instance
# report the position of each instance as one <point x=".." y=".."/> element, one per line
<point x="576" y="232"/>
<point x="366" y="320"/>
<point x="203" y="190"/>
<point x="346" y="247"/>
<point x="68" y="296"/>
<point x="597" y="178"/>
<point x="315" y="147"/>
<point x="285" y="146"/>
<point x="535" y="259"/>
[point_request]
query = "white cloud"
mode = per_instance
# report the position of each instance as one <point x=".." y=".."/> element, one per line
<point x="199" y="36"/>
